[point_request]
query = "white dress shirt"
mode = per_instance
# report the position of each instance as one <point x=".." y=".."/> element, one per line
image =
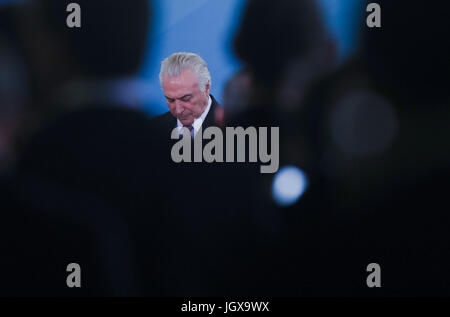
<point x="197" y="122"/>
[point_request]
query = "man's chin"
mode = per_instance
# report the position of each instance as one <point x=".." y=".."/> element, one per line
<point x="187" y="122"/>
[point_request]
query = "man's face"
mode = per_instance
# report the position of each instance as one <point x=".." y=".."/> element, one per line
<point x="185" y="99"/>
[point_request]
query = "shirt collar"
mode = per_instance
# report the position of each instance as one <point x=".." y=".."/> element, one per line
<point x="199" y="121"/>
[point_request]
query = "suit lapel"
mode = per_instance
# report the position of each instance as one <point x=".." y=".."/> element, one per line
<point x="208" y="122"/>
<point x="210" y="117"/>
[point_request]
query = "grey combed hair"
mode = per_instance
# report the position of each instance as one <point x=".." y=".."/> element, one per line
<point x="176" y="63"/>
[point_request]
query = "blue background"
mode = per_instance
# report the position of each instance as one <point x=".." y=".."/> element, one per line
<point x="206" y="27"/>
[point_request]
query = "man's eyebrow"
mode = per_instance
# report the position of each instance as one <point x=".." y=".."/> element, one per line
<point x="188" y="95"/>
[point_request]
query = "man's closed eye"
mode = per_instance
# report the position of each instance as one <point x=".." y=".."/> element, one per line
<point x="186" y="98"/>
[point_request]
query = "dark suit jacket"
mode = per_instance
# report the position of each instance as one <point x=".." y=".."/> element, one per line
<point x="167" y="122"/>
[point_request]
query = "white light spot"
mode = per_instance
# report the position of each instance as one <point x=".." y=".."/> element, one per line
<point x="288" y="186"/>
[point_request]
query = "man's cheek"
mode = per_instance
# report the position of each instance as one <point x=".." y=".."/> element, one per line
<point x="188" y="107"/>
<point x="194" y="106"/>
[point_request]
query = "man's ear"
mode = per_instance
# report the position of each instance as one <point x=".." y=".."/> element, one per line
<point x="207" y="88"/>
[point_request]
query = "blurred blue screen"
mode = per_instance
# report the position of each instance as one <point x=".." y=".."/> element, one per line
<point x="206" y="27"/>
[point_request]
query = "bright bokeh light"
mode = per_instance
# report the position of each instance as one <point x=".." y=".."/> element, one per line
<point x="288" y="186"/>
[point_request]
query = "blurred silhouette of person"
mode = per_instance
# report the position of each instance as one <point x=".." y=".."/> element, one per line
<point x="282" y="56"/>
<point x="72" y="67"/>
<point x="355" y="134"/>
<point x="382" y="114"/>
<point x="285" y="50"/>
<point x="409" y="69"/>
<point x="84" y="183"/>
<point x="14" y="90"/>
<point x="282" y="59"/>
<point x="12" y="99"/>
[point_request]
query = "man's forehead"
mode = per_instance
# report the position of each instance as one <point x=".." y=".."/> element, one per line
<point x="186" y="78"/>
<point x="177" y="92"/>
<point x="174" y="87"/>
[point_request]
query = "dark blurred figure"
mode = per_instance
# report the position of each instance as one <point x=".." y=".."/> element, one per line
<point x="12" y="99"/>
<point x="83" y="190"/>
<point x="282" y="57"/>
<point x="285" y="50"/>
<point x="14" y="93"/>
<point x="381" y="148"/>
<point x="402" y="163"/>
<point x="370" y="136"/>
<point x="71" y="67"/>
<point x="383" y="131"/>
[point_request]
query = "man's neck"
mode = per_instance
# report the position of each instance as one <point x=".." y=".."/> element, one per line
<point x="198" y="122"/>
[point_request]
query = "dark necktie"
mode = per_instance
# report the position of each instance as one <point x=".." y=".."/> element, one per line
<point x="190" y="128"/>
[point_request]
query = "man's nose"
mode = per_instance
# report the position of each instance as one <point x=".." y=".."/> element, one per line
<point x="178" y="107"/>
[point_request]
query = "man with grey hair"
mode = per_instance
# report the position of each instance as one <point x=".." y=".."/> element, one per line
<point x="186" y="81"/>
